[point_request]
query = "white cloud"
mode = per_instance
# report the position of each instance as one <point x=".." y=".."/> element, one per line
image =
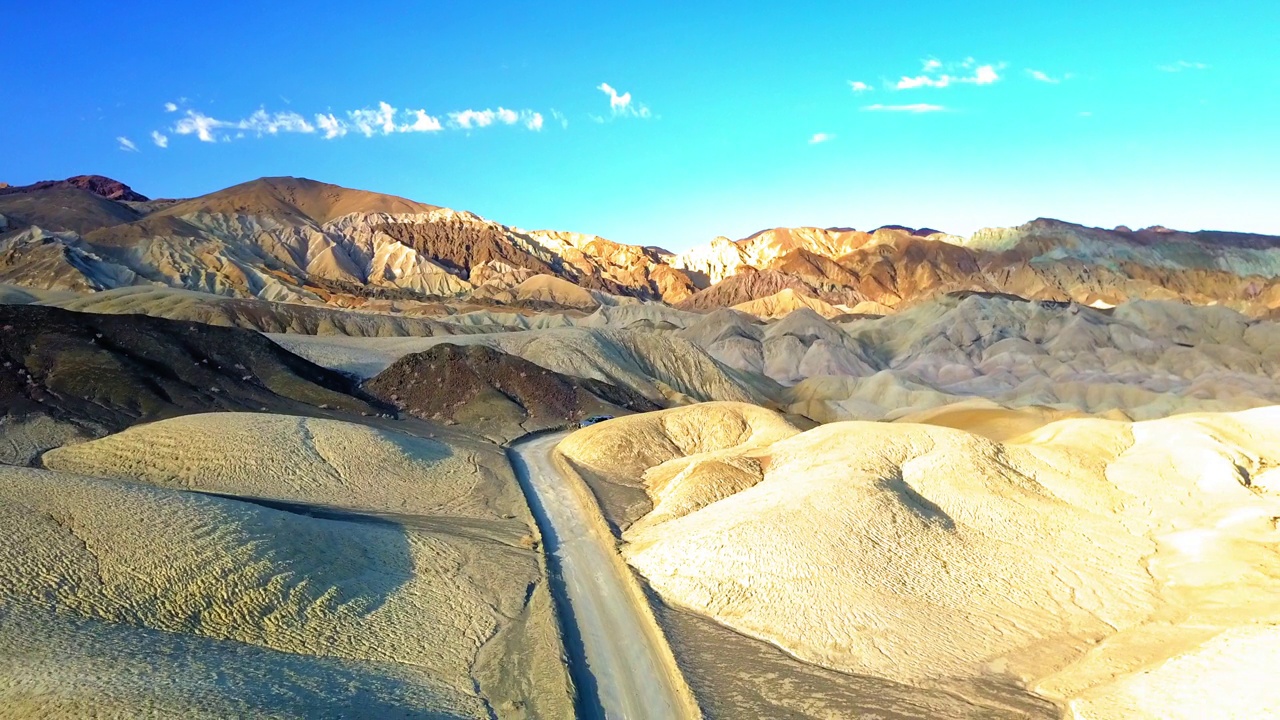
<point x="126" y="144"/>
<point x="160" y="139"/>
<point x="914" y="108"/>
<point x="368" y="122"/>
<point x="821" y="138"/>
<point x="1182" y="65"/>
<point x="381" y="120"/>
<point x="616" y="102"/>
<point x="1043" y="77"/>
<point x="331" y="126"/>
<point x="264" y="123"/>
<point x="908" y="83"/>
<point x="422" y="122"/>
<point x="170" y="107"/>
<point x="560" y="118"/>
<point x="984" y="75"/>
<point x="621" y="105"/>
<point x="858" y="86"/>
<point x="198" y="124"/>
<point x="967" y="72"/>
<point x="468" y="119"/>
<point x="474" y="119"/>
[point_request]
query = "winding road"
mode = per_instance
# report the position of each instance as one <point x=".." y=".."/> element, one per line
<point x="617" y="654"/>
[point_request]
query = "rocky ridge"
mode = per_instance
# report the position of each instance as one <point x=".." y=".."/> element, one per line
<point x="297" y="240"/>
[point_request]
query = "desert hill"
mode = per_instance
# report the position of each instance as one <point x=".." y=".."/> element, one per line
<point x="103" y="187"/>
<point x="1145" y="358"/>
<point x="293" y="199"/>
<point x="928" y="543"/>
<point x="298" y="240"/>
<point x="307" y="460"/>
<point x="62" y="209"/>
<point x="495" y="394"/>
<point x="659" y="366"/>
<point x="67" y="375"/>
<point x="109" y="581"/>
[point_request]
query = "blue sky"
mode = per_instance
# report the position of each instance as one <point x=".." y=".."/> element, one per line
<point x="671" y="125"/>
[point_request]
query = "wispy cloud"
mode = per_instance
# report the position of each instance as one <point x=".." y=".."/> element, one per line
<point x="936" y="74"/>
<point x="621" y="105"/>
<point x="126" y="144"/>
<point x="1182" y="65"/>
<point x="383" y="119"/>
<point x="170" y="107"/>
<point x="821" y="138"/>
<point x="1043" y="77"/>
<point x="560" y="118"/>
<point x="160" y="139"/>
<point x="331" y="126"/>
<point x="260" y="123"/>
<point x="913" y="108"/>
<point x="472" y="119"/>
<point x="859" y="87"/>
<point x="201" y="125"/>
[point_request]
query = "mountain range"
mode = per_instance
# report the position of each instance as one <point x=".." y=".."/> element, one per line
<point x="301" y="241"/>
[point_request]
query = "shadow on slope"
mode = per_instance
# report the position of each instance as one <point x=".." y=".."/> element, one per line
<point x="90" y="375"/>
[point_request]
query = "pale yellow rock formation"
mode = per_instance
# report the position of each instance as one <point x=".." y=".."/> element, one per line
<point x="1105" y="564"/>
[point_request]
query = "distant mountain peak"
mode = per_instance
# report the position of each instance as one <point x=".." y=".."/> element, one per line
<point x="103" y="187"/>
<point x="301" y="198"/>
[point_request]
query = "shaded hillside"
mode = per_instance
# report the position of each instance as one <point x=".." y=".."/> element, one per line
<point x="66" y="374"/>
<point x="495" y="393"/>
<point x="62" y="208"/>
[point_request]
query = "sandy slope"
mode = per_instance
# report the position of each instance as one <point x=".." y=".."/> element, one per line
<point x="230" y="608"/>
<point x="281" y="457"/>
<point x="611" y="458"/>
<point x="1074" y="558"/>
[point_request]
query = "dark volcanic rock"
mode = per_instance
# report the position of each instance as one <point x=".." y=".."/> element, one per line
<point x="103" y="373"/>
<point x="494" y="392"/>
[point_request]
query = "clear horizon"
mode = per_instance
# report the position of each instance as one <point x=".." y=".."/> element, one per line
<point x="673" y="127"/>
